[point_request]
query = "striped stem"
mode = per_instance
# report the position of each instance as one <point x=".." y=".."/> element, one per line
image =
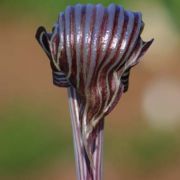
<point x="84" y="170"/>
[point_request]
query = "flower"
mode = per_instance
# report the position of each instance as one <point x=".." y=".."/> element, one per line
<point x="92" y="49"/>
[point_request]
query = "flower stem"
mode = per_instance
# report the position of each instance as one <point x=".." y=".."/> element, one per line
<point x="84" y="170"/>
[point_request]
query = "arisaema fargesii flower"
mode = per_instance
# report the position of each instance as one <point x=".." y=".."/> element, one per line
<point x="91" y="51"/>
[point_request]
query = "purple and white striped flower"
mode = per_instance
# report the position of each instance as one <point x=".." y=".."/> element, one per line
<point x="92" y="50"/>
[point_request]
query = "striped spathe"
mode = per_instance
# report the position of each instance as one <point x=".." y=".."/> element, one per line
<point x="92" y="50"/>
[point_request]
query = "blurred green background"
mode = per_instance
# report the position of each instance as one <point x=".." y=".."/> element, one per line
<point x="142" y="134"/>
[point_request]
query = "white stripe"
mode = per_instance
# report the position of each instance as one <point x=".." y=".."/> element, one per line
<point x="68" y="40"/>
<point x="78" y="17"/>
<point x="108" y="33"/>
<point x="126" y="38"/>
<point x="132" y="60"/>
<point x="42" y="44"/>
<point x="52" y="46"/>
<point x="135" y="36"/>
<point x="61" y="38"/>
<point x="95" y="39"/>
<point x="87" y="38"/>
